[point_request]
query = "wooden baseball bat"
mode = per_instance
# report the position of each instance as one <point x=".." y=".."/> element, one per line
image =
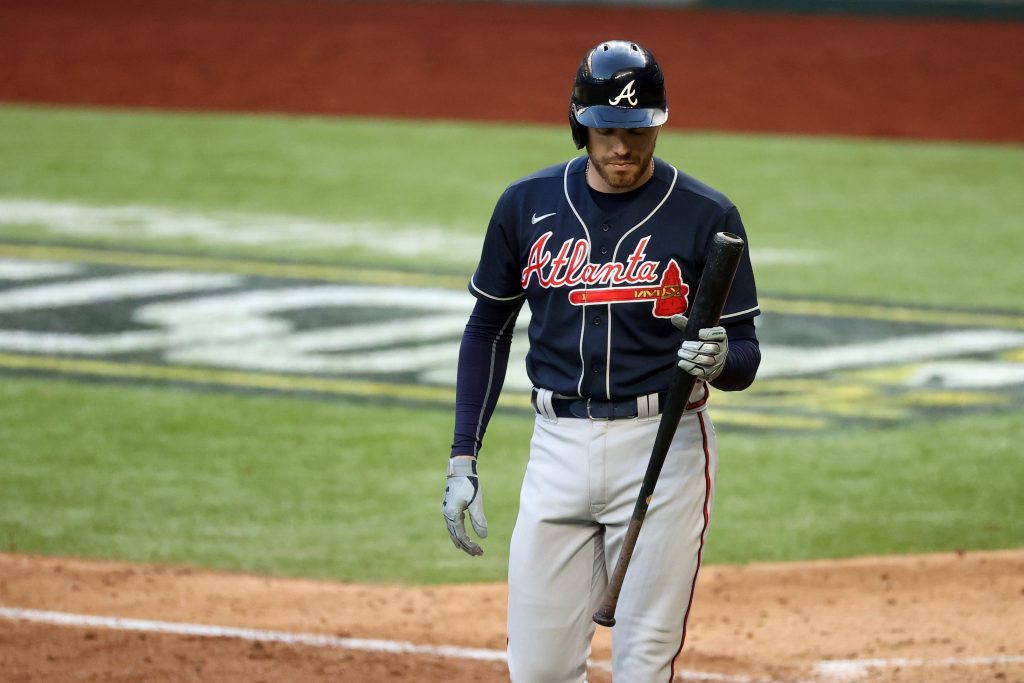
<point x="708" y="303"/>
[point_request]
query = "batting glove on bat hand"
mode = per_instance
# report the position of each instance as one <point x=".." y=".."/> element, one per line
<point x="462" y="493"/>
<point x="703" y="358"/>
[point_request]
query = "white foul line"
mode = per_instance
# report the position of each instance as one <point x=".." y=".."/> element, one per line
<point x="184" y="629"/>
<point x="826" y="670"/>
<point x="291" y="638"/>
<point x="852" y="669"/>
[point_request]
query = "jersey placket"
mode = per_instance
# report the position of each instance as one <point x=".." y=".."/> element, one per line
<point x="597" y="341"/>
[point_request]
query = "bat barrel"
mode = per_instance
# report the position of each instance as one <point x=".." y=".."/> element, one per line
<point x="713" y="290"/>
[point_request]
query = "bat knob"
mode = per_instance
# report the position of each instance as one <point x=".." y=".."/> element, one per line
<point x="728" y="239"/>
<point x="604" y="619"/>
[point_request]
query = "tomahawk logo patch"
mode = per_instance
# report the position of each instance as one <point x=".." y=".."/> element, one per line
<point x="670" y="296"/>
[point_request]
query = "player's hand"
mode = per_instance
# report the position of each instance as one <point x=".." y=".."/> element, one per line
<point x="462" y="493"/>
<point x="705" y="357"/>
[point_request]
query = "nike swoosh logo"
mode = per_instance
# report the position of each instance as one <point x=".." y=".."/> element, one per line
<point x="537" y="219"/>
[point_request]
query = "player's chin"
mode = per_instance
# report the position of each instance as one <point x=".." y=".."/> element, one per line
<point x="622" y="176"/>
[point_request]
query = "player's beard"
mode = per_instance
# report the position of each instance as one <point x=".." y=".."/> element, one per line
<point x="625" y="178"/>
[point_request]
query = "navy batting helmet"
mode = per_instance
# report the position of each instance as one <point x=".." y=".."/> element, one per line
<point x="618" y="85"/>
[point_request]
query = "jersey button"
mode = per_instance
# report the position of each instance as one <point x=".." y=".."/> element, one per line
<point x="597" y="320"/>
<point x="604" y="250"/>
<point x="605" y="227"/>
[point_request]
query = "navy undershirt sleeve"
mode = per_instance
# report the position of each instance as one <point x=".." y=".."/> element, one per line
<point x="744" y="357"/>
<point x="483" y="359"/>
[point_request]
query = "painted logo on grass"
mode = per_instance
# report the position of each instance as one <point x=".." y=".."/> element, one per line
<point x="337" y="333"/>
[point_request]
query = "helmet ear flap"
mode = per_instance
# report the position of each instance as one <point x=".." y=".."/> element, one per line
<point x="579" y="131"/>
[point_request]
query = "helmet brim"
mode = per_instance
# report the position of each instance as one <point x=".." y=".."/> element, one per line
<point x="605" y="116"/>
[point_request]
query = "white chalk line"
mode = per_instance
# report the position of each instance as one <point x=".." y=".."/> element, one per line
<point x="835" y="670"/>
<point x="292" y="638"/>
<point x="207" y="631"/>
<point x="852" y="669"/>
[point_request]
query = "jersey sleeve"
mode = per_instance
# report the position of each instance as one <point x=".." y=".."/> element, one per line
<point x="742" y="301"/>
<point x="483" y="361"/>
<point x="498" y="276"/>
<point x="744" y="357"/>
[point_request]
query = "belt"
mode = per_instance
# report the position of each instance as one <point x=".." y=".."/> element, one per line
<point x="551" y="405"/>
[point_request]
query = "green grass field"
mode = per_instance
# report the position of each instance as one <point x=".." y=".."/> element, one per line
<point x="349" y="488"/>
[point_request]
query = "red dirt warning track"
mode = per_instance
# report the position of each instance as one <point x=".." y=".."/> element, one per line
<point x="938" y="79"/>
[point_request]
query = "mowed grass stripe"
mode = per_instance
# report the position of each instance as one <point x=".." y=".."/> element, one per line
<point x="335" y="387"/>
<point x="396" y="278"/>
<point x="896" y="314"/>
<point x="230" y="378"/>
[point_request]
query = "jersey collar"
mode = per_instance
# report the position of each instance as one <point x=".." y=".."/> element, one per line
<point x="647" y="202"/>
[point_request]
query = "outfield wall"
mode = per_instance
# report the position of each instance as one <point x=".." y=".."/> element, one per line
<point x="969" y="9"/>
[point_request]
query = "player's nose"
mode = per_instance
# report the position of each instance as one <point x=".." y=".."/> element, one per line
<point x="620" y="143"/>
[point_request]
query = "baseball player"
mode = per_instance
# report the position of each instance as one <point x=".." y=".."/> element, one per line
<point x="607" y="249"/>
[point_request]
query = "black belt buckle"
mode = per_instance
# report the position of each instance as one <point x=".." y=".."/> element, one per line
<point x="578" y="408"/>
<point x="591" y="416"/>
<point x="611" y="410"/>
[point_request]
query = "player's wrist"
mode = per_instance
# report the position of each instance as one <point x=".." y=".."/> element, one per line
<point x="462" y="466"/>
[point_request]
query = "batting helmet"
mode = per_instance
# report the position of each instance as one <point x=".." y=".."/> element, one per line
<point x="618" y="85"/>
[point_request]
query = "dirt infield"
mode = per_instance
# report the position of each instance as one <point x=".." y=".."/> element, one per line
<point x="935" y="618"/>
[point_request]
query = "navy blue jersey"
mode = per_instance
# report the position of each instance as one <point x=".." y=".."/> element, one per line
<point x="602" y="286"/>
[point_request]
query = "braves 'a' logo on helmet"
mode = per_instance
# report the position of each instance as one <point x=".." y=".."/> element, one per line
<point x="628" y="93"/>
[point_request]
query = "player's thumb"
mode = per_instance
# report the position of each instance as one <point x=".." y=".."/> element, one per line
<point x="476" y="515"/>
<point x="680" y="321"/>
<point x="712" y="334"/>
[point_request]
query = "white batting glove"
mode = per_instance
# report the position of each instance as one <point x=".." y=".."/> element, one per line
<point x="705" y="357"/>
<point x="463" y="492"/>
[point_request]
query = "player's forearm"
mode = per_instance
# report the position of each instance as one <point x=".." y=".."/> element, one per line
<point x="483" y="360"/>
<point x="744" y="358"/>
<point x="741" y="366"/>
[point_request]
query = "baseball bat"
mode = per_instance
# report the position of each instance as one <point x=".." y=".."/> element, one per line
<point x="712" y="291"/>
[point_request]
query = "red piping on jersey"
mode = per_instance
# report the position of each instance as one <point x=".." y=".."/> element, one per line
<point x="703" y="532"/>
